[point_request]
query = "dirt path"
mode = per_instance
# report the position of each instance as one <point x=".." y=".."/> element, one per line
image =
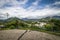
<point x="26" y="35"/>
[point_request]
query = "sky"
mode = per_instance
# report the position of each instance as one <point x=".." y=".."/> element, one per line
<point x="30" y="8"/>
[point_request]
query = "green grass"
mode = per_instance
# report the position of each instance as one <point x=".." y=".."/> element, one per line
<point x="4" y="28"/>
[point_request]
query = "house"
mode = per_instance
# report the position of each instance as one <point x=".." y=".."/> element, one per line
<point x="2" y="26"/>
<point x="41" y="24"/>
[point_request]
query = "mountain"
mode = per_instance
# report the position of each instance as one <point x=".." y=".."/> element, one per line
<point x="26" y="19"/>
<point x="10" y="19"/>
<point x="50" y="17"/>
<point x="29" y="19"/>
<point x="13" y="19"/>
<point x="57" y="17"/>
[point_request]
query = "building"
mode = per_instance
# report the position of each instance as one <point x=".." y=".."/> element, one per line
<point x="2" y="26"/>
<point x="41" y="24"/>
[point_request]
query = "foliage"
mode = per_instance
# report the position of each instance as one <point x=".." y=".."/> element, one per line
<point x="48" y="27"/>
<point x="55" y="25"/>
<point x="52" y="24"/>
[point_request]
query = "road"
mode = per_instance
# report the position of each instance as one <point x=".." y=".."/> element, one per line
<point x="16" y="34"/>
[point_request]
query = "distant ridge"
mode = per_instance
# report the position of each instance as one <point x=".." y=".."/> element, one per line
<point x="26" y="19"/>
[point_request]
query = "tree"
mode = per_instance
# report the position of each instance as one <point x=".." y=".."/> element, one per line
<point x="7" y="15"/>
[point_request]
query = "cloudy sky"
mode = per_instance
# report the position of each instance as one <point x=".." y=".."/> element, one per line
<point x="30" y="8"/>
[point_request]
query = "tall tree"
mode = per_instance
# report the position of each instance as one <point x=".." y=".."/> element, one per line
<point x="7" y="15"/>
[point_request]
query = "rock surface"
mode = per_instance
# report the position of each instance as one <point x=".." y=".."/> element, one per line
<point x="28" y="35"/>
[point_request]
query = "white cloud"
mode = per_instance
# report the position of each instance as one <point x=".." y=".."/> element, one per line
<point x="21" y="12"/>
<point x="57" y="3"/>
<point x="12" y="2"/>
<point x="18" y="11"/>
<point x="34" y="5"/>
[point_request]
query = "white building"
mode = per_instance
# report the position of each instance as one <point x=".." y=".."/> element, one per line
<point x="1" y="26"/>
<point x="41" y="24"/>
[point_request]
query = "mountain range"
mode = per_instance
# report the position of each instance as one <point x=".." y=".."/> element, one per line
<point x="26" y="19"/>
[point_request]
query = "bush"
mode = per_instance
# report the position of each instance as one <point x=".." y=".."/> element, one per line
<point x="12" y="27"/>
<point x="48" y="27"/>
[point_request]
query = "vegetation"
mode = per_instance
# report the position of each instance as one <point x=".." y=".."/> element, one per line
<point x="52" y="26"/>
